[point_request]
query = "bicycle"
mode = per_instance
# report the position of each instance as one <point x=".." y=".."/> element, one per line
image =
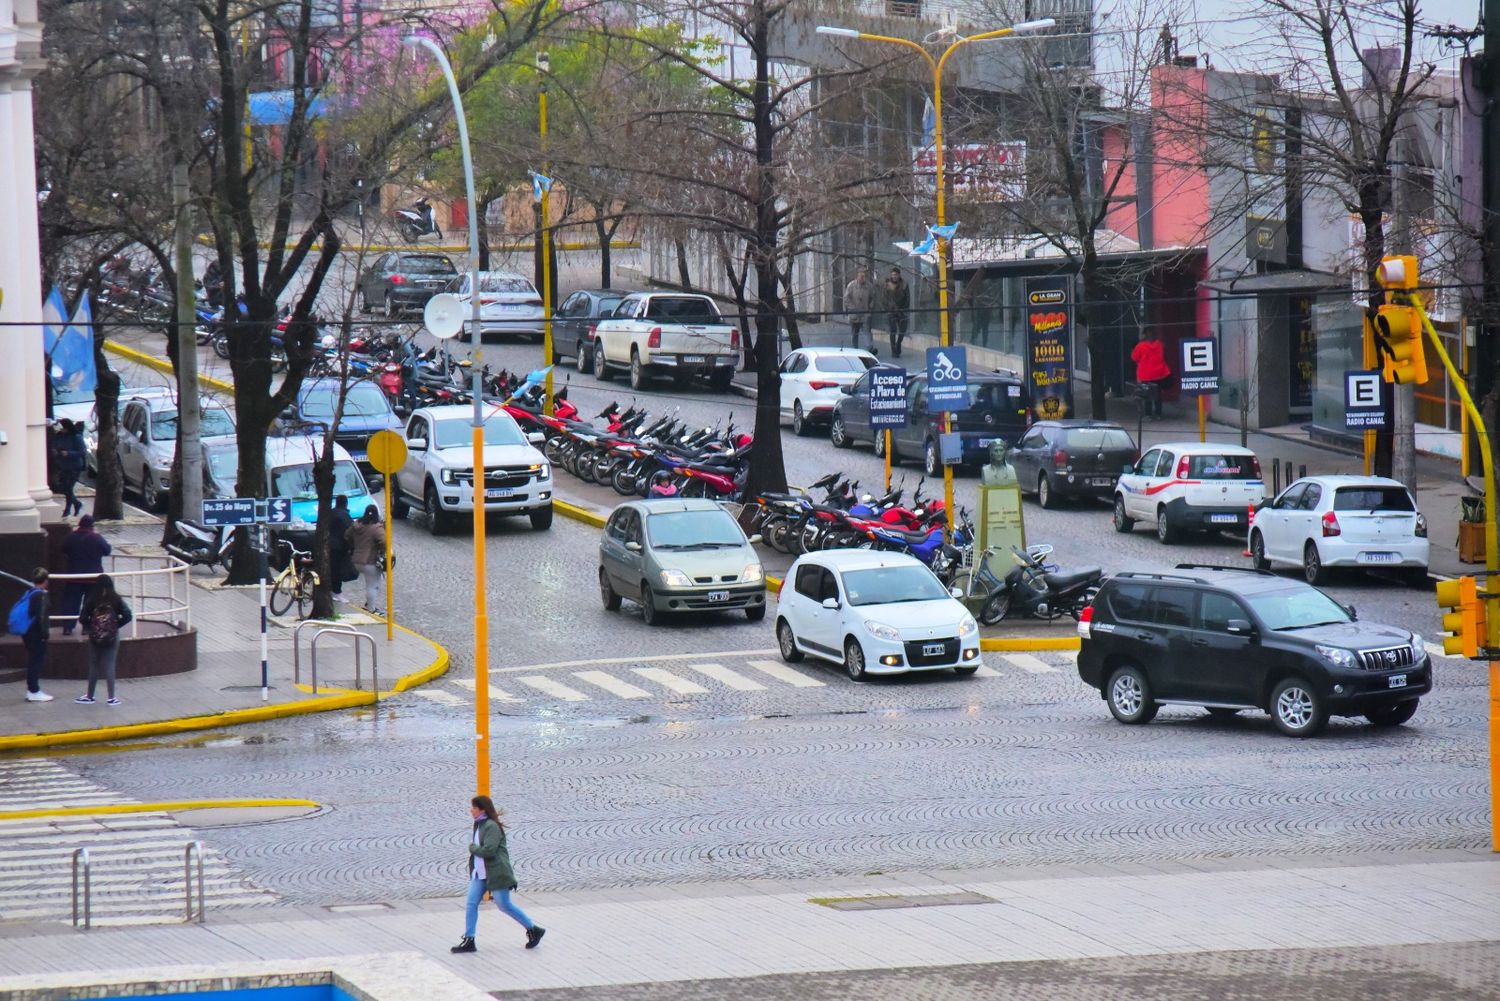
<point x="295" y="582"/>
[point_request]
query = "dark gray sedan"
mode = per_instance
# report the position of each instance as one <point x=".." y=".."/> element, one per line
<point x="1071" y="458"/>
<point x="403" y="281"/>
<point x="573" y="323"/>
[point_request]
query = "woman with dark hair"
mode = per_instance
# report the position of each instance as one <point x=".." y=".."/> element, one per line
<point x="491" y="875"/>
<point x="366" y="539"/>
<point x="103" y="615"/>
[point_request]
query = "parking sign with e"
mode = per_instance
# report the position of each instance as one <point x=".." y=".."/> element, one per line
<point x="1364" y="400"/>
<point x="1200" y="366"/>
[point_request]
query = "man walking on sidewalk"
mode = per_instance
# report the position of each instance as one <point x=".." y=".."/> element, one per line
<point x="859" y="305"/>
<point x="85" y="550"/>
<point x="897" y="309"/>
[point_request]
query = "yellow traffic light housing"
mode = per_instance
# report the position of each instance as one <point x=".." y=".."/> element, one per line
<point x="1466" y="624"/>
<point x="1397" y="272"/>
<point x="1399" y="331"/>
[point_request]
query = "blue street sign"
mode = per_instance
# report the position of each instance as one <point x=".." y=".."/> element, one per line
<point x="278" y="510"/>
<point x="887" y="397"/>
<point x="947" y="379"/>
<point x="230" y="511"/>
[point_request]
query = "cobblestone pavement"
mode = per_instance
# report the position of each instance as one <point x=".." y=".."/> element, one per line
<point x="1441" y="972"/>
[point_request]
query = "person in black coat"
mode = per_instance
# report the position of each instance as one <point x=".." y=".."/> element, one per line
<point x="72" y="455"/>
<point x="84" y="550"/>
<point x="34" y="639"/>
<point x="340" y="564"/>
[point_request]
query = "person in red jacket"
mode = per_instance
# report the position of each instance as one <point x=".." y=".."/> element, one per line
<point x="1151" y="369"/>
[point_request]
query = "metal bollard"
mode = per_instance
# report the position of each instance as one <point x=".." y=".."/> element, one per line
<point x="83" y="853"/>
<point x="1301" y="471"/>
<point x="1275" y="477"/>
<point x="193" y="848"/>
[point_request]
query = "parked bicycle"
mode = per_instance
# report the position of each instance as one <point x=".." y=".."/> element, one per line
<point x="293" y="583"/>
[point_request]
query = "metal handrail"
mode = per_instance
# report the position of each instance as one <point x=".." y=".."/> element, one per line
<point x="349" y="631"/>
<point x="83" y="853"/>
<point x="193" y="848"/>
<point x="173" y="569"/>
<point x="297" y="643"/>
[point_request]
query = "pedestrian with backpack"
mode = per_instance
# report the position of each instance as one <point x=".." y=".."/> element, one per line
<point x="28" y="620"/>
<point x="103" y="615"/>
<point x="491" y="876"/>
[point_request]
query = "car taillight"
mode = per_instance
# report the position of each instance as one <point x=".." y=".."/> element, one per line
<point x="821" y="384"/>
<point x="397" y="279"/>
<point x="1421" y="527"/>
<point x="1331" y="525"/>
<point x="593" y="330"/>
<point x="1060" y="458"/>
<point x="1085" y="621"/>
<point x="734" y="339"/>
<point x="653" y="340"/>
<point x="1182" y="468"/>
<point x="486" y="300"/>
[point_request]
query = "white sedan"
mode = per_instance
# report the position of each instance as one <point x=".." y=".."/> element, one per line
<point x="875" y="613"/>
<point x="508" y="303"/>
<point x="1320" y="522"/>
<point x="813" y="378"/>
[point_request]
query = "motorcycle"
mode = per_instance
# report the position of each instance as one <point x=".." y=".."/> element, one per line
<point x="1037" y="589"/>
<point x="198" y="545"/>
<point x="417" y="221"/>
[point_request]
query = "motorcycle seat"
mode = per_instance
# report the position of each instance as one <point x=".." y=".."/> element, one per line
<point x="1064" y="581"/>
<point x="915" y="538"/>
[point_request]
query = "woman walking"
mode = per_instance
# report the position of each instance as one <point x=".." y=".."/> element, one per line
<point x="490" y="874"/>
<point x="366" y="539"/>
<point x="103" y="615"/>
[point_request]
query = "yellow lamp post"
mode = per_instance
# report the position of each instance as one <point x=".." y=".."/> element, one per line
<point x="936" y="64"/>
<point x="543" y="66"/>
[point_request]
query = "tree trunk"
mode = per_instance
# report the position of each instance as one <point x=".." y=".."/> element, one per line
<point x="789" y="303"/>
<point x="683" y="278"/>
<point x="109" y="489"/>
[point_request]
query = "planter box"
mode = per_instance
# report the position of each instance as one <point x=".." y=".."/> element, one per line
<point x="1470" y="542"/>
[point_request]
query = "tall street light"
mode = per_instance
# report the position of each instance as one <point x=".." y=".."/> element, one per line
<point x="476" y="481"/>
<point x="543" y="67"/>
<point x="936" y="64"/>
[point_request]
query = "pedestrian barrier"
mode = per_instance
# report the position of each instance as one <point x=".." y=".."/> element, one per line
<point x="297" y="644"/>
<point x="357" y="635"/>
<point x="83" y="855"/>
<point x="193" y="848"/>
<point x="149" y="584"/>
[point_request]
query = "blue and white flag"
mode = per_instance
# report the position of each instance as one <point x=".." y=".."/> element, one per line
<point x="73" y="354"/>
<point x="924" y="248"/>
<point x="943" y="232"/>
<point x="539" y="183"/>
<point x="54" y="318"/>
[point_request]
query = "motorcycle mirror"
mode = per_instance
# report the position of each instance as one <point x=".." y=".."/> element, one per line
<point x="754" y="540"/>
<point x="957" y="592"/>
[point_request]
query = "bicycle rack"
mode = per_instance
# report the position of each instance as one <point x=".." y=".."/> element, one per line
<point x="193" y="848"/>
<point x="83" y="854"/>
<point x="297" y="644"/>
<point x="357" y="635"/>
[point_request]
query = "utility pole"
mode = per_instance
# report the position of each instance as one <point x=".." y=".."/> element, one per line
<point x="1485" y="353"/>
<point x="189" y="413"/>
<point x="1404" y="395"/>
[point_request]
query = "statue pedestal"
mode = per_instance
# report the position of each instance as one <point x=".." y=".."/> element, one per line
<point x="1001" y="524"/>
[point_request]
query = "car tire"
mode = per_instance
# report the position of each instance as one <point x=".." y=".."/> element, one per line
<point x="601" y="367"/>
<point x="1258" y="552"/>
<point x="878" y="440"/>
<point x="1296" y="710"/>
<point x="1222" y="712"/>
<point x="931" y="461"/>
<point x="837" y="433"/>
<point x="399" y="507"/>
<point x="637" y="371"/>
<point x="722" y="379"/>
<point x="390" y="307"/>
<point x="755" y="613"/>
<point x="965" y="672"/>
<point x="1044" y="496"/>
<point x="437" y="518"/>
<point x="787" y="642"/>
<point x="649" y="614"/>
<point x="541" y="518"/>
<point x="607" y="595"/>
<point x="1165" y="533"/>
<point x="364" y="302"/>
<point x="1123" y="522"/>
<point x="854" y="660"/>
<point x="1129" y="696"/>
<point x="1313" y="570"/>
<point x="150" y="495"/>
<point x="1393" y="715"/>
<point x="584" y="360"/>
<point x="799" y="420"/>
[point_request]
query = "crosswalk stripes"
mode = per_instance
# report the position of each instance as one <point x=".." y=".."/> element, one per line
<point x="985" y="671"/>
<point x="725" y="676"/>
<point x="497" y="694"/>
<point x="556" y="689"/>
<point x="670" y="681"/>
<point x="136" y="869"/>
<point x="781" y="672"/>
<point x="441" y="697"/>
<point x="613" y="685"/>
<point x="1030" y="663"/>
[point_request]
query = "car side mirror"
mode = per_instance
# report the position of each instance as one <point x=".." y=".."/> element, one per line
<point x="416" y="444"/>
<point x="1127" y="469"/>
<point x="536" y="438"/>
<point x="634" y="547"/>
<point x="1353" y="613"/>
<point x="754" y="540"/>
<point x="847" y="390"/>
<point x="832" y="604"/>
<point x="1238" y="627"/>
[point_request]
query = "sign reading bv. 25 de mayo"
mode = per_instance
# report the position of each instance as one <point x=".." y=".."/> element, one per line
<point x="887" y="397"/>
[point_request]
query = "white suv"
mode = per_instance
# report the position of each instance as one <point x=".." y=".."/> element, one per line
<point x="439" y="472"/>
<point x="1190" y="487"/>
<point x="1342" y="521"/>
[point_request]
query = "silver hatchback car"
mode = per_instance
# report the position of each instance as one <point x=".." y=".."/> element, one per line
<point x="673" y="555"/>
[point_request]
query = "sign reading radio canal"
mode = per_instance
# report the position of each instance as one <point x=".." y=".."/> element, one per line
<point x="1049" y="331"/>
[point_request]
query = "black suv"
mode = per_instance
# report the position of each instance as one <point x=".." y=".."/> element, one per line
<point x="1228" y="639"/>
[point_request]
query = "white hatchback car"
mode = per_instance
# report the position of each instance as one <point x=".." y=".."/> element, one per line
<point x="812" y="380"/>
<point x="1320" y="522"/>
<point x="876" y="613"/>
<point x="1190" y="487"/>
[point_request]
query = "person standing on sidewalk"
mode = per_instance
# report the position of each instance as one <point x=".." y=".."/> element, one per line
<point x="29" y="618"/>
<point x="84" y="550"/>
<point x="1150" y="370"/>
<point x="366" y="539"/>
<point x="103" y="615"/>
<point x="72" y="457"/>
<point x="491" y="875"/>
<point x="897" y="296"/>
<point x="859" y="305"/>
<point x="340" y="566"/>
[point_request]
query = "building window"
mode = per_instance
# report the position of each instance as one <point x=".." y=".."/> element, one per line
<point x="903" y="8"/>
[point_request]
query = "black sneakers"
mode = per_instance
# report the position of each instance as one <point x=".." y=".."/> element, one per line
<point x="534" y="936"/>
<point x="466" y="944"/>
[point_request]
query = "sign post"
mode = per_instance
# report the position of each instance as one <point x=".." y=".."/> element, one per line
<point x="1200" y="375"/>
<point x="887" y="406"/>
<point x="388" y="454"/>
<point x="947" y="391"/>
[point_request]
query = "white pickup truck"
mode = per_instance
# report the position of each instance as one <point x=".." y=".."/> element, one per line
<point x="655" y="333"/>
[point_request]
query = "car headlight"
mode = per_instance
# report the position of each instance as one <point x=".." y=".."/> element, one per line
<point x="752" y="573"/>
<point x="543" y="470"/>
<point x="1418" y="648"/>
<point x="881" y="631"/>
<point x="675" y="578"/>
<point x="968" y="626"/>
<point x="447" y="476"/>
<point x="1337" y="656"/>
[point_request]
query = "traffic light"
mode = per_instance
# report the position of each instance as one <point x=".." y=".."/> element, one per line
<point x="1466" y="623"/>
<point x="1399" y="272"/>
<point x="1402" y="357"/>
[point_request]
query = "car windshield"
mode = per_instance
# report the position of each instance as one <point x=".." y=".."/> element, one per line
<point x="988" y="395"/>
<point x="296" y="481"/>
<point x="681" y="309"/>
<point x="223" y="465"/>
<point x="892" y="585"/>
<point x="606" y="307"/>
<point x="1372" y="499"/>
<point x="215" y="421"/>
<point x="1097" y="439"/>
<point x="426" y="264"/>
<point x="364" y="400"/>
<point x="842" y="363"/>
<point x="1297" y="609"/>
<point x="1222" y="467"/>
<point x="456" y="433"/>
<point x="63" y="394"/>
<point x="693" y="530"/>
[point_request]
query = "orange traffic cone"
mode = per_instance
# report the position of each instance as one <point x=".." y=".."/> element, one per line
<point x="1249" y="524"/>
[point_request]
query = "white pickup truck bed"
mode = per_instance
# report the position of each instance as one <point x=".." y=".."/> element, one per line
<point x="656" y="333"/>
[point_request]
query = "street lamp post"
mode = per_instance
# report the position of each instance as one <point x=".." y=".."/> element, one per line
<point x="543" y="67"/>
<point x="476" y="483"/>
<point x="936" y="64"/>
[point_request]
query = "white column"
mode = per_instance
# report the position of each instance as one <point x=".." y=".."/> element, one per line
<point x="18" y="513"/>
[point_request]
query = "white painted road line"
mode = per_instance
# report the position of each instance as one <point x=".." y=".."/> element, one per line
<point x="1436" y="650"/>
<point x="496" y="694"/>
<point x="638" y="659"/>
<point x="441" y="697"/>
<point x="985" y="671"/>
<point x="1029" y="663"/>
<point x="623" y="689"/>
<point x="670" y="681"/>
<point x="781" y="672"/>
<point x="724" y="675"/>
<point x="553" y="688"/>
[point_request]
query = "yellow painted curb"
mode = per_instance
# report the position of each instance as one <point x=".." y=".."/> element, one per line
<point x="773" y="584"/>
<point x="175" y="806"/>
<point x="455" y="248"/>
<point x="162" y="365"/>
<point x="577" y="513"/>
<point x="1030" y="643"/>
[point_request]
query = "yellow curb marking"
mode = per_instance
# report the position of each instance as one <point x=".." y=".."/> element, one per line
<point x="1030" y="643"/>
<point x="162" y="365"/>
<point x="577" y="513"/>
<point x="173" y="806"/>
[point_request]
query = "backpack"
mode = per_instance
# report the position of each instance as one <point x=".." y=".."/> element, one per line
<point x="104" y="625"/>
<point x="19" y="621"/>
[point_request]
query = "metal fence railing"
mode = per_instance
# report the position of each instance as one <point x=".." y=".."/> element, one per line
<point x="155" y="587"/>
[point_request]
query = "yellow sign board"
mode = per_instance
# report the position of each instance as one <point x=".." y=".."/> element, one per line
<point x="387" y="452"/>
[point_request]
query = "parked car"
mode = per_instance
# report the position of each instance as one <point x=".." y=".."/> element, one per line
<point x="367" y="409"/>
<point x="672" y="555"/>
<point x="998" y="408"/>
<point x="1231" y="639"/>
<point x="1062" y="459"/>
<point x="126" y="394"/>
<point x="148" y="443"/>
<point x="404" y="280"/>
<point x="811" y="380"/>
<point x="508" y="304"/>
<point x="438" y="475"/>
<point x="575" y="321"/>
<point x="289" y="473"/>
<point x="655" y="333"/>
<point x="1189" y="487"/>
<point x="1323" y="522"/>
<point x="875" y="613"/>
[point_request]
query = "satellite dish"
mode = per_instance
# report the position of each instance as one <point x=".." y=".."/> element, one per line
<point x="444" y="315"/>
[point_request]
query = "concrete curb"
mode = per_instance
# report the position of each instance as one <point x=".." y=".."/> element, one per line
<point x="162" y="365"/>
<point x="452" y="248"/>
<point x="577" y="513"/>
<point x="173" y="806"/>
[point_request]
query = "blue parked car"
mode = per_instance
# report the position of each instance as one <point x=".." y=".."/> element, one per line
<point x="366" y="410"/>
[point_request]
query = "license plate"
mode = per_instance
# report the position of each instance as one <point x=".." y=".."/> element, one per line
<point x="718" y="596"/>
<point x="933" y="649"/>
<point x="986" y="442"/>
<point x="1377" y="557"/>
<point x="1223" y="519"/>
<point x="695" y="359"/>
<point x="359" y="456"/>
<point x="498" y="493"/>
<point x="1100" y="481"/>
<point x="1396" y="681"/>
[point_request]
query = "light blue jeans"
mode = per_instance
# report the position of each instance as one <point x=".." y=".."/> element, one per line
<point x="502" y="901"/>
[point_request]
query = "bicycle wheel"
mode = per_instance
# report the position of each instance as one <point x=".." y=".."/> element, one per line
<point x="307" y="582"/>
<point x="283" y="594"/>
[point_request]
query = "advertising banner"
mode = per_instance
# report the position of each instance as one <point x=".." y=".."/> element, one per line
<point x="1049" y="332"/>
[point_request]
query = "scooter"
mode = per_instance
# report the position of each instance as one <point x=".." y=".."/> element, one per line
<point x="1033" y="587"/>
<point x="198" y="545"/>
<point x="417" y="221"/>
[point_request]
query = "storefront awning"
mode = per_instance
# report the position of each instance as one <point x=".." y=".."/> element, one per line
<point x="274" y="107"/>
<point x="1279" y="282"/>
<point x="1030" y="249"/>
